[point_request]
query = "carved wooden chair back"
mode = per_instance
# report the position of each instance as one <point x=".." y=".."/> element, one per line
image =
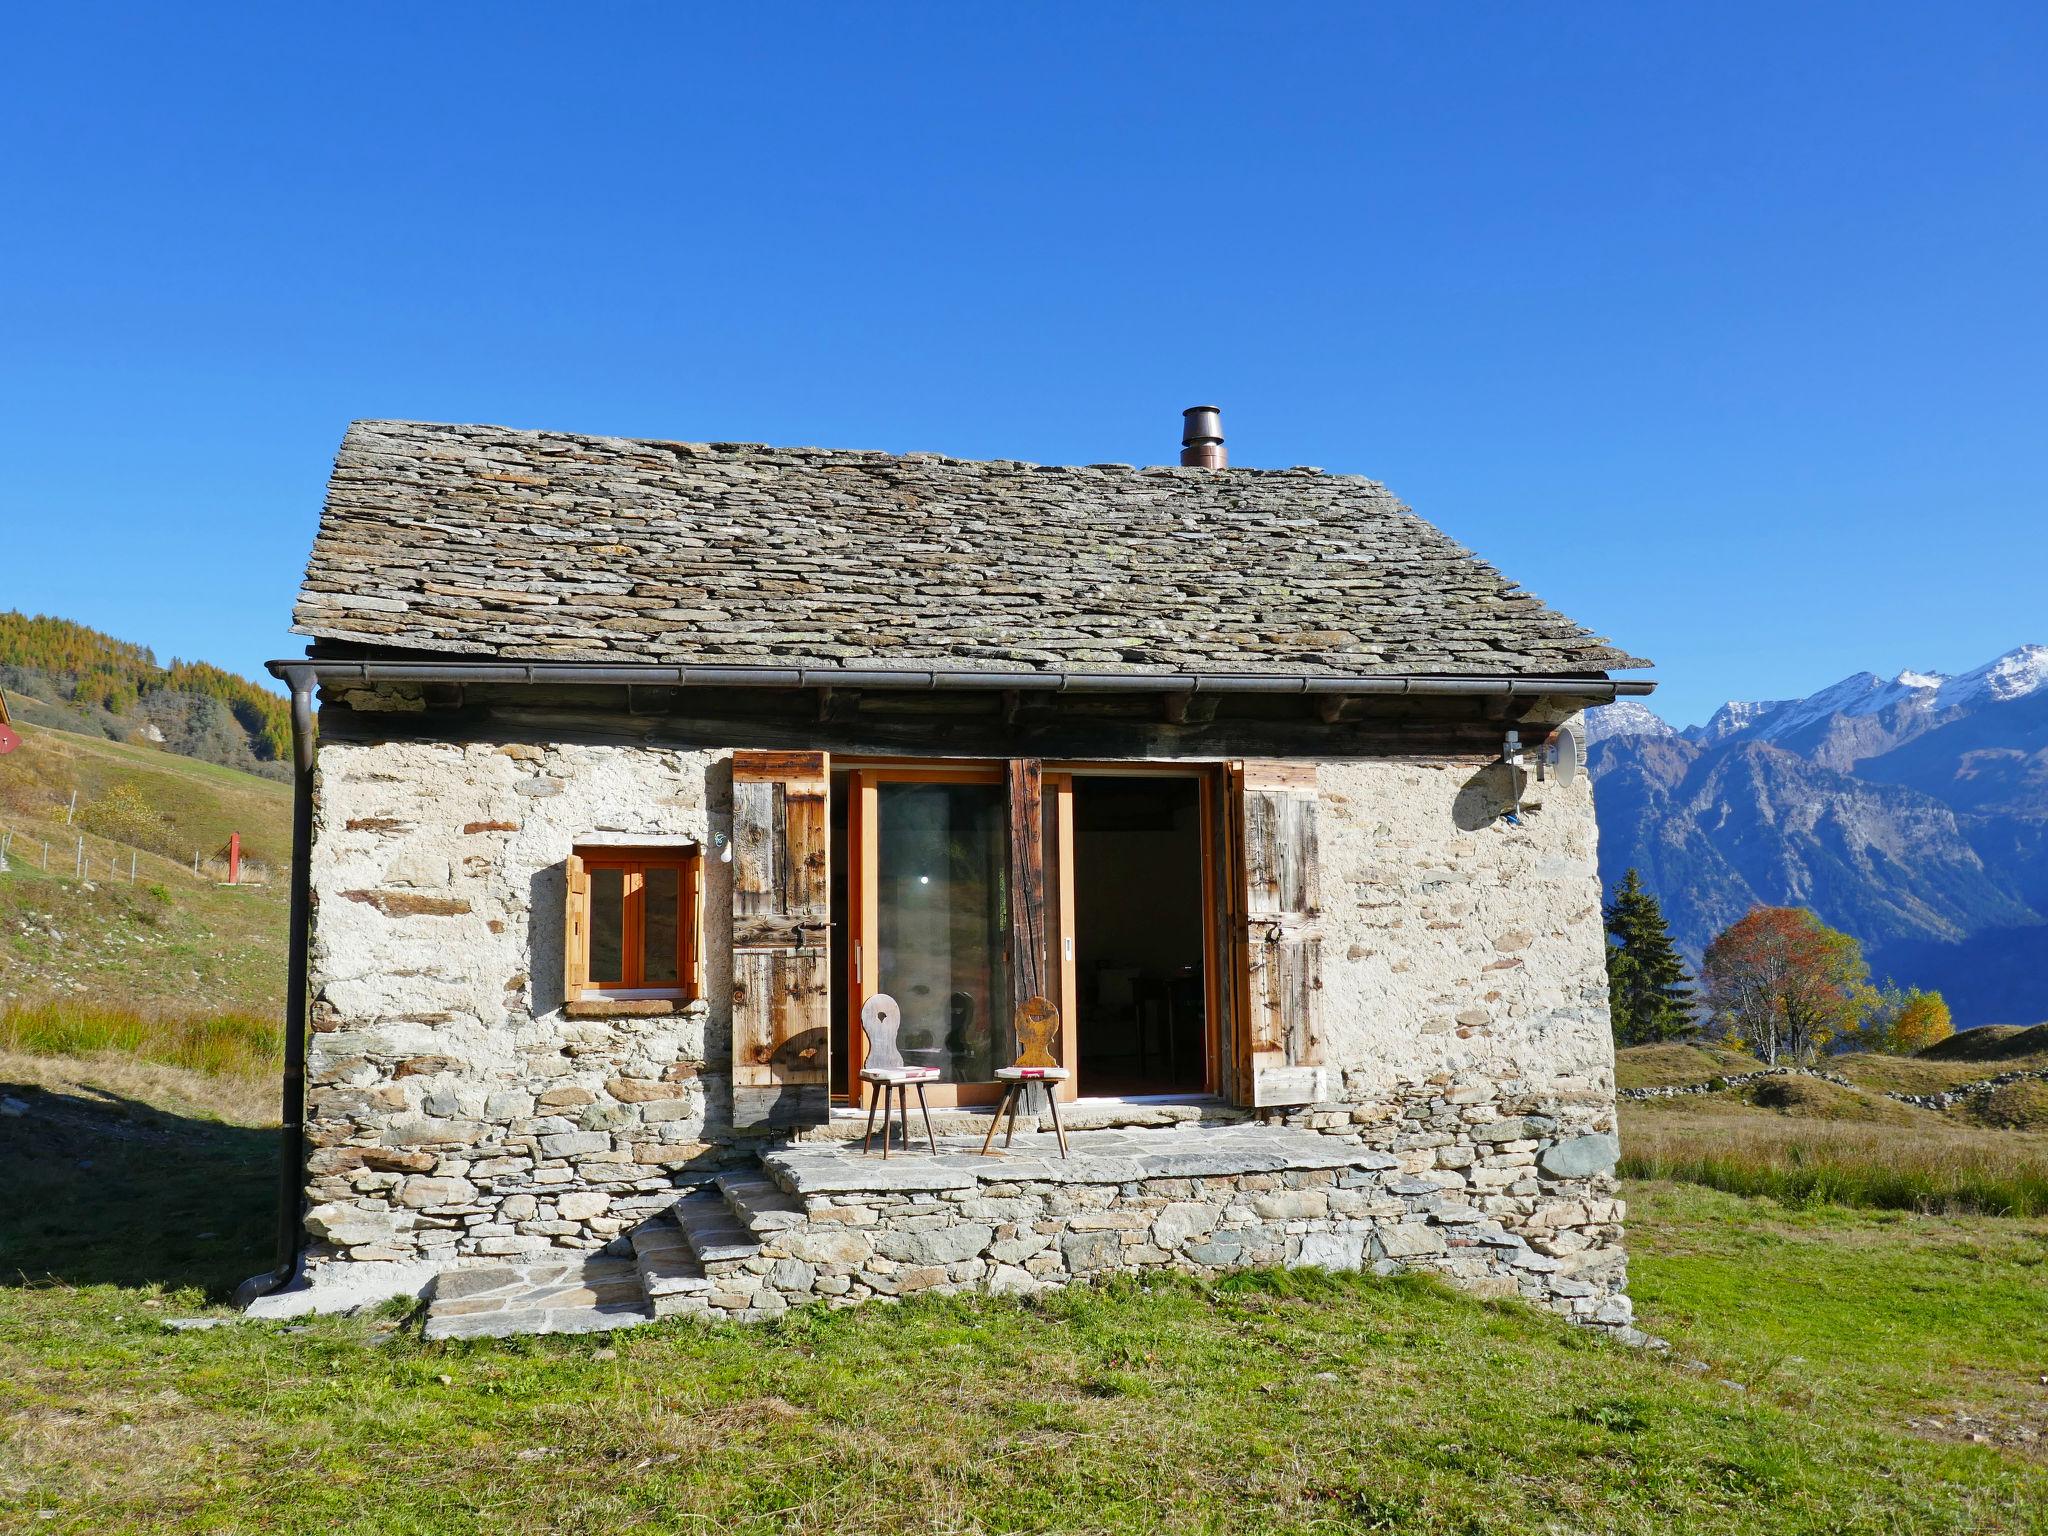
<point x="1038" y="1031"/>
<point x="880" y="1018"/>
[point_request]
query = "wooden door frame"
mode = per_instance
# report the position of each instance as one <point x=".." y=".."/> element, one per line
<point x="1207" y="776"/>
<point x="863" y="895"/>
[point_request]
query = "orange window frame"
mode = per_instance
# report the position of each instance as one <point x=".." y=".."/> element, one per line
<point x="634" y="864"/>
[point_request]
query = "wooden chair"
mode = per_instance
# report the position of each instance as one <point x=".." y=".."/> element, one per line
<point x="883" y="1066"/>
<point x="1038" y="1028"/>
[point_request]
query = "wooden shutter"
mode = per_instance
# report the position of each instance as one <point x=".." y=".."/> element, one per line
<point x="1277" y="940"/>
<point x="575" y="929"/>
<point x="781" y="911"/>
<point x="693" y="915"/>
<point x="1028" y="972"/>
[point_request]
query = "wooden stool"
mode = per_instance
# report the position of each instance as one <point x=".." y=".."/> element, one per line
<point x="1014" y="1081"/>
<point x="884" y="1067"/>
<point x="1037" y="1027"/>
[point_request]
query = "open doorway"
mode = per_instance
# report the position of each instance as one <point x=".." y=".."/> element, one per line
<point x="1140" y="992"/>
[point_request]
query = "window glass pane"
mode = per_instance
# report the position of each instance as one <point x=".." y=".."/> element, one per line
<point x="943" y="919"/>
<point x="662" y="920"/>
<point x="607" y="927"/>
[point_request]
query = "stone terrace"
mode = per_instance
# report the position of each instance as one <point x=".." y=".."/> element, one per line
<point x="824" y="1222"/>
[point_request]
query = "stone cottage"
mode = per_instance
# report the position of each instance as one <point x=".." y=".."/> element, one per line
<point x="643" y="765"/>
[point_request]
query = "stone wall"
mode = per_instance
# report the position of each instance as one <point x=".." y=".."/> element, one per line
<point x="455" y="1108"/>
<point x="1453" y="1180"/>
<point x="458" y="1111"/>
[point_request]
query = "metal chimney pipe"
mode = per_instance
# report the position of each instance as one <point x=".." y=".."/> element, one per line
<point x="1201" y="438"/>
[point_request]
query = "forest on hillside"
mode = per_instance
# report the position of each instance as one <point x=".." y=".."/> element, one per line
<point x="67" y="675"/>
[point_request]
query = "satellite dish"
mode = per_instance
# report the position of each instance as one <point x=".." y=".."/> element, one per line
<point x="1567" y="752"/>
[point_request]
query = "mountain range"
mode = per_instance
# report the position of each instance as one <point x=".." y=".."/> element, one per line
<point x="1909" y="811"/>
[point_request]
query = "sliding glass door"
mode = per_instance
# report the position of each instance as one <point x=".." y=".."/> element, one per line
<point x="931" y="920"/>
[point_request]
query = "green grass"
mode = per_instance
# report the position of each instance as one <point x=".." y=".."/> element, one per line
<point x="1831" y="1371"/>
<point x="1928" y="1323"/>
<point x="218" y="1045"/>
<point x="1925" y="1163"/>
<point x="173" y="947"/>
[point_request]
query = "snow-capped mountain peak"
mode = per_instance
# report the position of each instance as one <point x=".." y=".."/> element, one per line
<point x="2019" y="672"/>
<point x="1625" y="717"/>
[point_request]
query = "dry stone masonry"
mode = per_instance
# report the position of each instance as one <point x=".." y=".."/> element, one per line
<point x="1500" y="1206"/>
<point x="576" y="1166"/>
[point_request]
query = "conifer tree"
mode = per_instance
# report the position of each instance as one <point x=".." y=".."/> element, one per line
<point x="1648" y="990"/>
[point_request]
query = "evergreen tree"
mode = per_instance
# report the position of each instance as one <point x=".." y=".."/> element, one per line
<point x="1648" y="990"/>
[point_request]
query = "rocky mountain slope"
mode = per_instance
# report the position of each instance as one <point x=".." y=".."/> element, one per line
<point x="1910" y="811"/>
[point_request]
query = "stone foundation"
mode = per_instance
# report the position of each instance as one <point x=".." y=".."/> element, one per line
<point x="1512" y="1210"/>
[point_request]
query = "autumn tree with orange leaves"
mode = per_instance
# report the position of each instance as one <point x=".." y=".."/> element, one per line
<point x="1782" y="982"/>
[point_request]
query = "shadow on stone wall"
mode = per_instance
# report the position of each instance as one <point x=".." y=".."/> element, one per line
<point x="96" y="1189"/>
<point x="1483" y="798"/>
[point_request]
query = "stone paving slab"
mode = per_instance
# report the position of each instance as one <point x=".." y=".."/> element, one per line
<point x="1098" y="1157"/>
<point x="712" y="1231"/>
<point x="760" y="1204"/>
<point x="592" y="1295"/>
<point x="666" y="1265"/>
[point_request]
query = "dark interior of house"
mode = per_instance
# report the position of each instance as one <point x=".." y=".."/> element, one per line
<point x="1138" y="935"/>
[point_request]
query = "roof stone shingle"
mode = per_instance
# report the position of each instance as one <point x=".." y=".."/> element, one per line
<point x="545" y="546"/>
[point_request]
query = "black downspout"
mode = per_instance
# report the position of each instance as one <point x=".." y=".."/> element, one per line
<point x="291" y="1159"/>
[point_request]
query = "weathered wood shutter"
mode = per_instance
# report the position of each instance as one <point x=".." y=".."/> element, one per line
<point x="1277" y="938"/>
<point x="1028" y="968"/>
<point x="693" y="914"/>
<point x="781" y="912"/>
<point x="575" y="929"/>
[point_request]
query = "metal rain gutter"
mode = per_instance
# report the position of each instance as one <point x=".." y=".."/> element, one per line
<point x="648" y="674"/>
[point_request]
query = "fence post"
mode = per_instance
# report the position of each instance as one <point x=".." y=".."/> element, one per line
<point x="131" y="866"/>
<point x="78" y="864"/>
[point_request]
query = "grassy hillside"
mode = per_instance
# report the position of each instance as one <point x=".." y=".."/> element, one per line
<point x="1808" y="1140"/>
<point x="166" y="942"/>
<point x="81" y="679"/>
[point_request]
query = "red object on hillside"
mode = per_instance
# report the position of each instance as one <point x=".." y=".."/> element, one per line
<point x="8" y="740"/>
<point x="234" y="858"/>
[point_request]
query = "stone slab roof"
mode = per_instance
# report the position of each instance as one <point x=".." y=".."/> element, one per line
<point x="545" y="546"/>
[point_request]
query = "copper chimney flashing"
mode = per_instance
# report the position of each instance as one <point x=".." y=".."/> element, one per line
<point x="1201" y="438"/>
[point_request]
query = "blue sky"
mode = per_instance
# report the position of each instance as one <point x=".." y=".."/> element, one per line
<point x="1720" y="326"/>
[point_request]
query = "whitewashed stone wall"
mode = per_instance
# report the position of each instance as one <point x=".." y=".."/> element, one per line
<point x="455" y="1108"/>
<point x="1454" y="941"/>
<point x="457" y="1111"/>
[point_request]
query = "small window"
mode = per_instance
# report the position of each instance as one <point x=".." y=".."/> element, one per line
<point x="633" y="928"/>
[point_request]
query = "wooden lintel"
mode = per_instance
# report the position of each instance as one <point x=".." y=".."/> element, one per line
<point x="838" y="704"/>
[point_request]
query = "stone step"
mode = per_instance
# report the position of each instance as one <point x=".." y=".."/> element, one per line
<point x="714" y="1234"/>
<point x="759" y="1203"/>
<point x="581" y="1295"/>
<point x="670" y="1276"/>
